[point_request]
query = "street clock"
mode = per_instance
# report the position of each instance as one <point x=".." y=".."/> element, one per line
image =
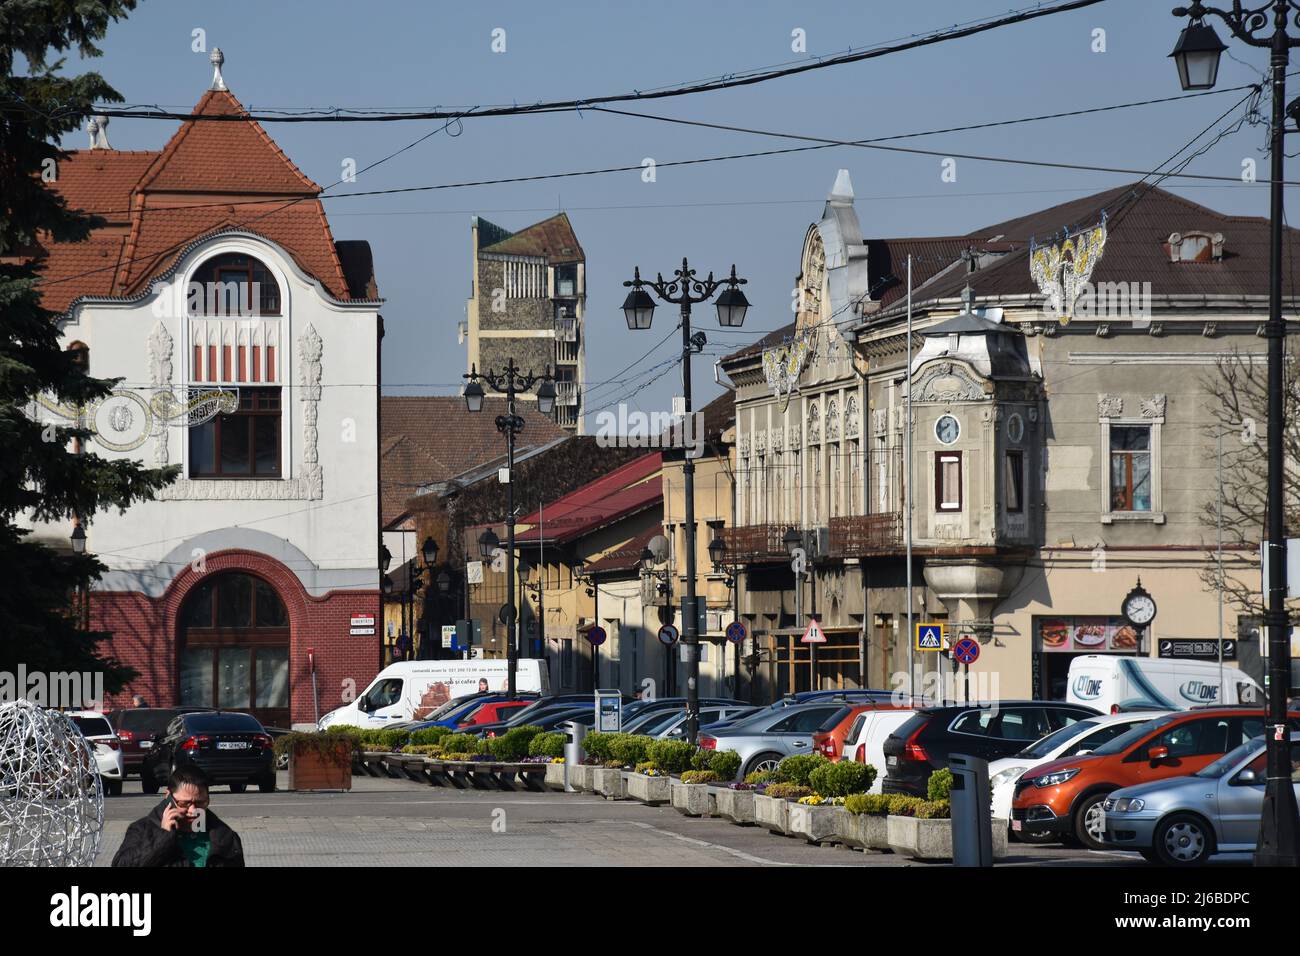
<point x="1138" y="608"/>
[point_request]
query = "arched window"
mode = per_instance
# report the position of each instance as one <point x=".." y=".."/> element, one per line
<point x="80" y="353"/>
<point x="234" y="648"/>
<point x="233" y="284"/>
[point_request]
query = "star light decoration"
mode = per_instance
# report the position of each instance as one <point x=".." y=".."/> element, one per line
<point x="51" y="795"/>
<point x="782" y="365"/>
<point x="1062" y="269"/>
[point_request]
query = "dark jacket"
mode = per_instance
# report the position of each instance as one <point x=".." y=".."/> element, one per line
<point x="147" y="844"/>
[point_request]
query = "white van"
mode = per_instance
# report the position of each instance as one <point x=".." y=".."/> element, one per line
<point x="1114" y="684"/>
<point x="410" y="690"/>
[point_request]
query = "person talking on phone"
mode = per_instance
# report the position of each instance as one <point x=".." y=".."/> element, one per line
<point x="182" y="830"/>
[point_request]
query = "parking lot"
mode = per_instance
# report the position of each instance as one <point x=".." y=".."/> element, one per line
<point x="401" y="823"/>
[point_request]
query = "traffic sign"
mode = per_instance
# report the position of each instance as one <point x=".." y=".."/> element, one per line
<point x="507" y="614"/>
<point x="596" y="635"/>
<point x="668" y="635"/>
<point x="813" y="634"/>
<point x="737" y="632"/>
<point x="966" y="651"/>
<point x="929" y="637"/>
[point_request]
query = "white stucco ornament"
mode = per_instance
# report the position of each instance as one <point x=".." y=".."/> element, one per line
<point x="51" y="796"/>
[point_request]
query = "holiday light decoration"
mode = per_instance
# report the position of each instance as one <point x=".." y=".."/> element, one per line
<point x="782" y="365"/>
<point x="1062" y="270"/>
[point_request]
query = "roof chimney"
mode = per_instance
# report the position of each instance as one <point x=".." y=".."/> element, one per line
<point x="217" y="58"/>
<point x="97" y="127"/>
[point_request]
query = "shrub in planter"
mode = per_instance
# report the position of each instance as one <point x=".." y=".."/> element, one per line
<point x="796" y="768"/>
<point x="841" y="779"/>
<point x="672" y="756"/>
<point x="597" y="745"/>
<point x="462" y="744"/>
<point x="454" y="756"/>
<point x="725" y="763"/>
<point x="322" y="743"/>
<point x="383" y="739"/>
<point x="430" y="735"/>
<point x="903" y="806"/>
<point x="760" y="777"/>
<point x="550" y="744"/>
<point x="513" y="744"/>
<point x="939" y="786"/>
<point x="423" y="750"/>
<point x="646" y="766"/>
<point x="786" y="791"/>
<point x="872" y="804"/>
<point x="630" y="749"/>
<point x="933" y="810"/>
<point x="699" y="776"/>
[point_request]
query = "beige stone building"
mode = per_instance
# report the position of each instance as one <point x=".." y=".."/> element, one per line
<point x="1063" y="415"/>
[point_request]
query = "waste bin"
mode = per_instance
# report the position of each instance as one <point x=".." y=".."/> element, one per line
<point x="574" y="732"/>
<point x="972" y="811"/>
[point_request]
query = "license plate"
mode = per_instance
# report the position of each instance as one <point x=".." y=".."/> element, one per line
<point x="891" y="761"/>
<point x="146" y="744"/>
<point x="232" y="745"/>
<point x="1017" y="825"/>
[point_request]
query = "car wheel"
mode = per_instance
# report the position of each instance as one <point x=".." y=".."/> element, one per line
<point x="1087" y="821"/>
<point x="282" y="762"/>
<point x="238" y="787"/>
<point x="760" y="763"/>
<point x="148" y="782"/>
<point x="114" y="788"/>
<point x="1183" y="839"/>
<point x="267" y="783"/>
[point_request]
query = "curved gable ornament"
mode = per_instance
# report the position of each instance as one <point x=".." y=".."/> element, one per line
<point x="948" y="382"/>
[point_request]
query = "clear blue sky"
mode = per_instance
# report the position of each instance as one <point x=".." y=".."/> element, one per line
<point x="753" y="212"/>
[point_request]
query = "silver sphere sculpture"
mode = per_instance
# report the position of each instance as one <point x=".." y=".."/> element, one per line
<point x="51" y="794"/>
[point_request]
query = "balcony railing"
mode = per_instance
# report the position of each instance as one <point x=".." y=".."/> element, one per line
<point x="566" y="393"/>
<point x="866" y="534"/>
<point x="566" y="330"/>
<point x="754" y="542"/>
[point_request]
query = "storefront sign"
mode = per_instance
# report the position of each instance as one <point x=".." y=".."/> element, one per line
<point x="362" y="625"/>
<point x="1196" y="650"/>
<point x="1087" y="635"/>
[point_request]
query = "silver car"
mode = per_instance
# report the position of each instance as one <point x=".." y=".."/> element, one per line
<point x="766" y="738"/>
<point x="1184" y="821"/>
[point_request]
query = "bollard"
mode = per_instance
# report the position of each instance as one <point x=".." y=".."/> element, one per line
<point x="574" y="732"/>
<point x="972" y="811"/>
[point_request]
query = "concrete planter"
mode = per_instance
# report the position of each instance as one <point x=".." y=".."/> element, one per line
<point x="1000" y="839"/>
<point x="920" y="839"/>
<point x="862" y="830"/>
<point x="815" y="824"/>
<point x="581" y="776"/>
<point x="647" y="789"/>
<point x="692" y="799"/>
<point x="772" y="813"/>
<point x="609" y="783"/>
<point x="735" y="805"/>
<point x="555" y="776"/>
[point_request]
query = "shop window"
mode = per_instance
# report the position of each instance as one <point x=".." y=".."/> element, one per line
<point x="947" y="481"/>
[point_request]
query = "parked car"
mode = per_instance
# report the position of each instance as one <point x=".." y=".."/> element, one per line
<point x="1065" y="797"/>
<point x="1075" y="740"/>
<point x="530" y="716"/>
<point x="765" y="739"/>
<point x="492" y="712"/>
<point x="453" y="713"/>
<point x="672" y="724"/>
<point x="1184" y="821"/>
<point x="997" y="729"/>
<point x="105" y="745"/>
<point x="865" y="740"/>
<point x="230" y="748"/>
<point x="136" y="726"/>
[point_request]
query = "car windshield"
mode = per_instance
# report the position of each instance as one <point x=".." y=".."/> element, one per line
<point x="1229" y="760"/>
<point x="1044" y="746"/>
<point x="1126" y="740"/>
<point x="93" y="726"/>
<point x="658" y="723"/>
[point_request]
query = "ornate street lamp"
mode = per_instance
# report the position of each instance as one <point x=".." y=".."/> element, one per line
<point x="429" y="551"/>
<point x="488" y="542"/>
<point x="510" y="382"/>
<point x="1197" y="59"/>
<point x="686" y="289"/>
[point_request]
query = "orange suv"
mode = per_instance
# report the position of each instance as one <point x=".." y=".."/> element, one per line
<point x="1064" y="797"/>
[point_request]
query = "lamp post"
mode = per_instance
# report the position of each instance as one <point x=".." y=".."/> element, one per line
<point x="593" y="592"/>
<point x="718" y="555"/>
<point x="1197" y="58"/>
<point x="78" y="539"/>
<point x="685" y="290"/>
<point x="793" y="541"/>
<point x="510" y="382"/>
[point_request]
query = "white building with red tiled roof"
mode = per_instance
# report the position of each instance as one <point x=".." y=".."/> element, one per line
<point x="247" y="340"/>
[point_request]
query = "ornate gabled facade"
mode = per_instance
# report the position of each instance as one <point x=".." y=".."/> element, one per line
<point x="247" y="341"/>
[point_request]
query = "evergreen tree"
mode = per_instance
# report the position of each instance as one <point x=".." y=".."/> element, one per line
<point x="43" y="477"/>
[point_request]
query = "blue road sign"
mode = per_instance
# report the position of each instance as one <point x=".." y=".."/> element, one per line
<point x="596" y="636"/>
<point x="966" y="651"/>
<point x="737" y="632"/>
<point x="929" y="637"/>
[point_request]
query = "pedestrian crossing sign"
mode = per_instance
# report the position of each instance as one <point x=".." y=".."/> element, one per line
<point x="929" y="637"/>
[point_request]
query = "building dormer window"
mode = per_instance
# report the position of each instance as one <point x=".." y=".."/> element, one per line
<point x="233" y="285"/>
<point x="1195" y="247"/>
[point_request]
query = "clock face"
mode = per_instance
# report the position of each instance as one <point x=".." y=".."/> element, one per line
<point x="1140" y="608"/>
<point x="946" y="429"/>
<point x="1015" y="428"/>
